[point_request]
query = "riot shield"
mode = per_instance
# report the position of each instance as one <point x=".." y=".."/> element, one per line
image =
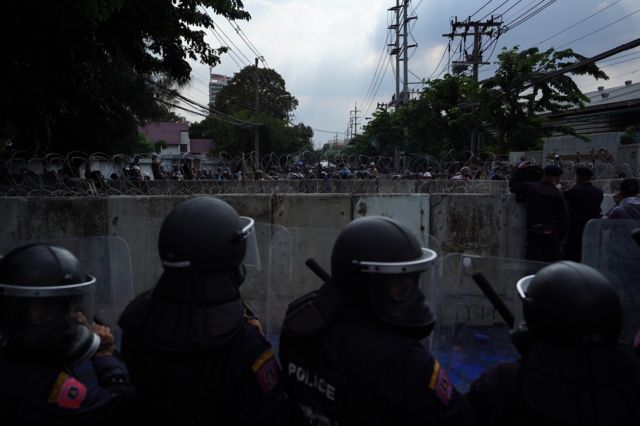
<point x="470" y="335"/>
<point x="289" y="277"/>
<point x="106" y="258"/>
<point x="607" y="246"/>
<point x="259" y="271"/>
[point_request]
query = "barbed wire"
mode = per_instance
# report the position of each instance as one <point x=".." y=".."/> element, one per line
<point x="79" y="174"/>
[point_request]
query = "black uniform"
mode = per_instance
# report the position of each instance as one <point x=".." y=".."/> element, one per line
<point x="343" y="366"/>
<point x="583" y="202"/>
<point x="547" y="219"/>
<point x="552" y="385"/>
<point x="189" y="371"/>
<point x="37" y="392"/>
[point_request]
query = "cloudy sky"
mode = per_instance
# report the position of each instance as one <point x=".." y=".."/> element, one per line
<point x="333" y="55"/>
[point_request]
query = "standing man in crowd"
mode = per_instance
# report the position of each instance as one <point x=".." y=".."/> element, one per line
<point x="351" y="352"/>
<point x="156" y="168"/>
<point x="583" y="202"/>
<point x="572" y="370"/>
<point x="627" y="201"/>
<point x="194" y="355"/>
<point x="547" y="215"/>
<point x="46" y="332"/>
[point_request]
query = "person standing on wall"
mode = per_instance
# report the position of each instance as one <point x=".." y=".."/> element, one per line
<point x="547" y="216"/>
<point x="583" y="202"/>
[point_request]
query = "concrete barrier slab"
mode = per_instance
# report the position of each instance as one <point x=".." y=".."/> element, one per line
<point x="412" y="210"/>
<point x="312" y="210"/>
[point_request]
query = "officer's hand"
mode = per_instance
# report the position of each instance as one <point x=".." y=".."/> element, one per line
<point x="256" y="323"/>
<point x="107" y="341"/>
<point x="617" y="197"/>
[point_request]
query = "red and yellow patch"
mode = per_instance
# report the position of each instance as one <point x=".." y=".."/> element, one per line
<point x="266" y="370"/>
<point x="440" y="383"/>
<point x="67" y="392"/>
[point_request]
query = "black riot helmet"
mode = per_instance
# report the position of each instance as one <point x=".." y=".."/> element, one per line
<point x="570" y="303"/>
<point x="205" y="234"/>
<point x="46" y="304"/>
<point x="381" y="264"/>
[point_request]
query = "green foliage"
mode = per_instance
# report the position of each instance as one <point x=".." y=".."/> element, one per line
<point x="516" y="114"/>
<point x="273" y="98"/>
<point x="76" y="73"/>
<point x="237" y="100"/>
<point x="506" y="116"/>
<point x="631" y="135"/>
<point x="143" y="145"/>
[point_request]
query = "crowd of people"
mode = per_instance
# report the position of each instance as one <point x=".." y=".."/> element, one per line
<point x="352" y="352"/>
<point x="556" y="218"/>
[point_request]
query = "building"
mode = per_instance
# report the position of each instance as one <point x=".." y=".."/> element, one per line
<point x="171" y="138"/>
<point x="216" y="83"/>
<point x="609" y="110"/>
<point x="603" y="120"/>
<point x="173" y="144"/>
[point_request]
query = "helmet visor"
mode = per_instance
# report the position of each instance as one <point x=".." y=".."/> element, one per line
<point x="53" y="319"/>
<point x="401" y="292"/>
<point x="248" y="234"/>
<point x="522" y="287"/>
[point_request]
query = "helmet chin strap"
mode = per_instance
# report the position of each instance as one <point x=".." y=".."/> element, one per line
<point x="84" y="350"/>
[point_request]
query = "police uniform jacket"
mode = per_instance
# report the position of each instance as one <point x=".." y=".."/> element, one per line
<point x="545" y="206"/>
<point x="580" y="386"/>
<point x="36" y="391"/>
<point x="583" y="202"/>
<point x="191" y="365"/>
<point x="342" y="366"/>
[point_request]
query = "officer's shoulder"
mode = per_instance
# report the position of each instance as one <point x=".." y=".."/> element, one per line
<point x="313" y="312"/>
<point x="499" y="377"/>
<point x="67" y="392"/>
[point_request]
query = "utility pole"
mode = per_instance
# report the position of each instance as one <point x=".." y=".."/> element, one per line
<point x="477" y="29"/>
<point x="401" y="52"/>
<point x="257" y="127"/>
<point x="354" y="120"/>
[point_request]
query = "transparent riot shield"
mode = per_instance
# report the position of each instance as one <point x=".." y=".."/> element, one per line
<point x="106" y="258"/>
<point x="290" y="278"/>
<point x="607" y="245"/>
<point x="259" y="271"/>
<point x="470" y="335"/>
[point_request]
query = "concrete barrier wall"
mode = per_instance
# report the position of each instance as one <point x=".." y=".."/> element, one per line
<point x="481" y="224"/>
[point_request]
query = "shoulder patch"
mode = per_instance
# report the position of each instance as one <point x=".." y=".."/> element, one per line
<point x="67" y="392"/>
<point x="440" y="383"/>
<point x="266" y="371"/>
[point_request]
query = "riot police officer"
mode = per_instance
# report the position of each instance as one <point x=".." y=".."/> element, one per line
<point x="572" y="370"/>
<point x="193" y="356"/>
<point x="351" y="352"/>
<point x="46" y="331"/>
<point x="546" y="210"/>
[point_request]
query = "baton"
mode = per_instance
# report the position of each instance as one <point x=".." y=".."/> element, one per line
<point x="248" y="312"/>
<point x="317" y="269"/>
<point x="493" y="297"/>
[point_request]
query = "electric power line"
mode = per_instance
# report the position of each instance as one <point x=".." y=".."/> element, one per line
<point x="599" y="29"/>
<point x="482" y="7"/>
<point x="579" y="22"/>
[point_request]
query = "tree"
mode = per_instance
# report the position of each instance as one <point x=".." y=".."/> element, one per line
<point x="439" y="120"/>
<point x="273" y="98"/>
<point x="235" y="108"/>
<point x="517" y="115"/>
<point x="78" y="74"/>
